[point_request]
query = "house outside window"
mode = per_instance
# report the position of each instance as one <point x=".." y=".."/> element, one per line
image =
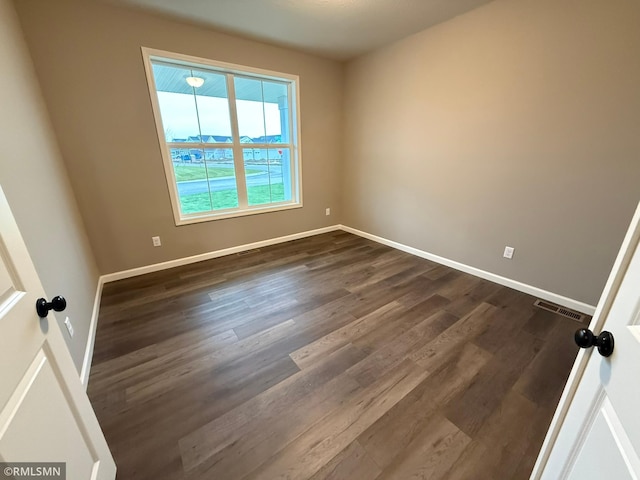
<point x="229" y="136"/>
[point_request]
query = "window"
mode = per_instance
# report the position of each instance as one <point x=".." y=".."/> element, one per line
<point x="228" y="134"/>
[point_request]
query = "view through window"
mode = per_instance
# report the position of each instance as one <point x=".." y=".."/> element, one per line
<point x="229" y="136"/>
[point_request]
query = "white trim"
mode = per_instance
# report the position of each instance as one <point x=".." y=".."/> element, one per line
<point x="93" y="326"/>
<point x="507" y="282"/>
<point x="134" y="272"/>
<point x="238" y="153"/>
<point x="255" y="210"/>
<point x="181" y="59"/>
<point x="164" y="148"/>
<point x="228" y="69"/>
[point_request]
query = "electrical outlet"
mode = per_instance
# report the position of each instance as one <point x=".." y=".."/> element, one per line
<point x="156" y="241"/>
<point x="327" y="212"/>
<point x="508" y="252"/>
<point x="67" y="323"/>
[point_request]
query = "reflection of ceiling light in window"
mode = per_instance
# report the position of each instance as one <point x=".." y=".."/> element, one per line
<point x="195" y="82"/>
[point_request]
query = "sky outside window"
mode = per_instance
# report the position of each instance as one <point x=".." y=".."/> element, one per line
<point x="181" y="121"/>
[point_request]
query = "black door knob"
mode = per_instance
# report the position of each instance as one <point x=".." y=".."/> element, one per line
<point x="586" y="339"/>
<point x="57" y="303"/>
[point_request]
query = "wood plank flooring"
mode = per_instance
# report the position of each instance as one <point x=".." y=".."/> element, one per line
<point x="330" y="357"/>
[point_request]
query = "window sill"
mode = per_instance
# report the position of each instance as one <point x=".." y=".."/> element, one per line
<point x="209" y="217"/>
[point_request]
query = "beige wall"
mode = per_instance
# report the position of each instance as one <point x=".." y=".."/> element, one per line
<point x="34" y="180"/>
<point x="88" y="60"/>
<point x="515" y="124"/>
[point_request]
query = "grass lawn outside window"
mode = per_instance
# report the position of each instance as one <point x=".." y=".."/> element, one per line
<point x="258" y="195"/>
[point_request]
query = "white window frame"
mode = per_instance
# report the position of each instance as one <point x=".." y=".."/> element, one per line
<point x="227" y="69"/>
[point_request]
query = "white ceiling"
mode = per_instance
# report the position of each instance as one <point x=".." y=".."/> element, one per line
<point x="339" y="29"/>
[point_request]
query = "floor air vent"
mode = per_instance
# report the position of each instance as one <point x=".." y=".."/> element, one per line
<point x="565" y="312"/>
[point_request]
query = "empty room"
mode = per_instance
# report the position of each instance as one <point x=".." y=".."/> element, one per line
<point x="320" y="239"/>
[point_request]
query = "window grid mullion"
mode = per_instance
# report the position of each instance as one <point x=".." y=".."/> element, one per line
<point x="229" y="145"/>
<point x="187" y="145"/>
<point x="293" y="154"/>
<point x="241" y="182"/>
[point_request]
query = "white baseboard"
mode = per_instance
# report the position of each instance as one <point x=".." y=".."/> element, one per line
<point x="93" y="326"/>
<point x="507" y="282"/>
<point x="112" y="277"/>
<point x="134" y="272"/>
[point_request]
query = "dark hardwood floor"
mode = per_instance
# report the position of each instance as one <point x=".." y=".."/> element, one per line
<point x="330" y="357"/>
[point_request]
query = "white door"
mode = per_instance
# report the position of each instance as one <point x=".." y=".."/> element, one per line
<point x="45" y="414"/>
<point x="595" y="433"/>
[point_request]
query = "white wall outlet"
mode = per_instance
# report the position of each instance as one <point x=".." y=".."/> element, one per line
<point x="156" y="241"/>
<point x="67" y="323"/>
<point x="327" y="212"/>
<point x="508" y="252"/>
